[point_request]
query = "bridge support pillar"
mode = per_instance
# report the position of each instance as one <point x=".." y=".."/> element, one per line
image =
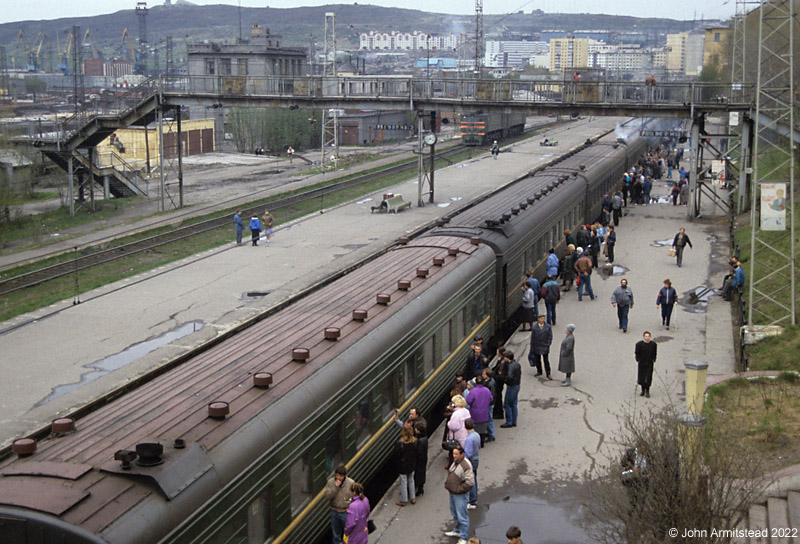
<point x="695" y="162"/>
<point x="106" y="188"/>
<point x="71" y="181"/>
<point x="745" y="164"/>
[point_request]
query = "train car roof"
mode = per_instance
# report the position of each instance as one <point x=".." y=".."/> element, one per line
<point x="499" y="219"/>
<point x="75" y="476"/>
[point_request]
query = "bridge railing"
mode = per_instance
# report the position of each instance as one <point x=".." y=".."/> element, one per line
<point x="516" y="92"/>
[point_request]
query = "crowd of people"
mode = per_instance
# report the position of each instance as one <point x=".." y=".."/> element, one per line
<point x="488" y="387"/>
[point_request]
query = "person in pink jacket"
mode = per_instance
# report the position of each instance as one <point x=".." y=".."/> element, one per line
<point x="455" y="427"/>
<point x="355" y="529"/>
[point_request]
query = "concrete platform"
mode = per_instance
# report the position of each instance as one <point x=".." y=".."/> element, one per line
<point x="60" y="357"/>
<point x="532" y="475"/>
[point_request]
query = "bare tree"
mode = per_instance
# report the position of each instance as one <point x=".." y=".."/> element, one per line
<point x="671" y="476"/>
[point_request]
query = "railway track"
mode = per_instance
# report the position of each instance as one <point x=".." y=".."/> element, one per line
<point x="99" y="257"/>
<point x="96" y="255"/>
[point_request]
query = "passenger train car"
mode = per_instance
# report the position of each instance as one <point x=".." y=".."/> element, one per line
<point x="235" y="444"/>
<point x="484" y="128"/>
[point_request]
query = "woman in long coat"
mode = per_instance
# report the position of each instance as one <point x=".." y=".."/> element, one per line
<point x="568" y="268"/>
<point x="566" y="359"/>
<point x="355" y="528"/>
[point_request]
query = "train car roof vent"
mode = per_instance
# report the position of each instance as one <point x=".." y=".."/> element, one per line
<point x="332" y="333"/>
<point x="62" y="426"/>
<point x="404" y="285"/>
<point x="475" y="240"/>
<point x="523" y="204"/>
<point x="383" y="299"/>
<point x="24" y="447"/>
<point x="217" y="410"/>
<point x="515" y="210"/>
<point x="452" y="251"/>
<point x="438" y="261"/>
<point x="149" y="453"/>
<point x="403" y="240"/>
<point x="490" y="223"/>
<point x="300" y="355"/>
<point x="538" y="195"/>
<point x="359" y="315"/>
<point x="262" y="379"/>
<point x="582" y="167"/>
<point x="531" y="199"/>
<point x="422" y="272"/>
<point x="506" y="216"/>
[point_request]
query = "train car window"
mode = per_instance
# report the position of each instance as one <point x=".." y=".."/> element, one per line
<point x="444" y="334"/>
<point x="473" y="312"/>
<point x="333" y="449"/>
<point x="428" y="358"/>
<point x="387" y="397"/>
<point x="461" y="331"/>
<point x="300" y="482"/>
<point x="411" y="374"/>
<point x="260" y="518"/>
<point x="361" y="419"/>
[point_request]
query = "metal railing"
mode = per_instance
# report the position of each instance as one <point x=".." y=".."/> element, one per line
<point x="516" y="92"/>
<point x="383" y="91"/>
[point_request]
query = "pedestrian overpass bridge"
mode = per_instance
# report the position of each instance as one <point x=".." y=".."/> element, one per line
<point x="76" y="137"/>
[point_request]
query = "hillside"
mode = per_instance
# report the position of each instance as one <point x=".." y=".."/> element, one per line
<point x="300" y="25"/>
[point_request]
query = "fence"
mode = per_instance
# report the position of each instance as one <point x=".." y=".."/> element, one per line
<point x="741" y="303"/>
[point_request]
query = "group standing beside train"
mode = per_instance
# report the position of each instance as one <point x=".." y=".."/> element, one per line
<point x="489" y="387"/>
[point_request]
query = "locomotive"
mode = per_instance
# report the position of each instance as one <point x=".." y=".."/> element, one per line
<point x="483" y="128"/>
<point x="235" y="443"/>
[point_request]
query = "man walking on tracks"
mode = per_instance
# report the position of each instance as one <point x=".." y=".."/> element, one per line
<point x="680" y="241"/>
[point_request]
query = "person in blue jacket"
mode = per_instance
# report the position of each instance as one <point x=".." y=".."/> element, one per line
<point x="255" y="229"/>
<point x="552" y="263"/>
<point x="239" y="226"/>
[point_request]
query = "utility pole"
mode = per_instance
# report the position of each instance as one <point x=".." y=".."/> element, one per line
<point x="141" y="15"/>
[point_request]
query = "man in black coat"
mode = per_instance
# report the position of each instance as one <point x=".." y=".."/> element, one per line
<point x="645" y="352"/>
<point x="541" y="338"/>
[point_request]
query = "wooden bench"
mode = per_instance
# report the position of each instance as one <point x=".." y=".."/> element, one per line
<point x="392" y="204"/>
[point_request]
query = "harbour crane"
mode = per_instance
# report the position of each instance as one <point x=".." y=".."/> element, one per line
<point x="135" y="54"/>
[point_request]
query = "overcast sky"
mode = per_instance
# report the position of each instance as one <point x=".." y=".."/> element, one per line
<point x="22" y="10"/>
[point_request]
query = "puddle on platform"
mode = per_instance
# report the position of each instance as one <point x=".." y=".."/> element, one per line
<point x="541" y="522"/>
<point x="663" y="243"/>
<point x="663" y="199"/>
<point x="115" y="362"/>
<point x="443" y="205"/>
<point x="660" y="339"/>
<point x="613" y="270"/>
<point x="696" y="300"/>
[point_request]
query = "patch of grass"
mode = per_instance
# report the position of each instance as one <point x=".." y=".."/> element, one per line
<point x="759" y="416"/>
<point x="35" y="197"/>
<point x="35" y="229"/>
<point x="777" y="353"/>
